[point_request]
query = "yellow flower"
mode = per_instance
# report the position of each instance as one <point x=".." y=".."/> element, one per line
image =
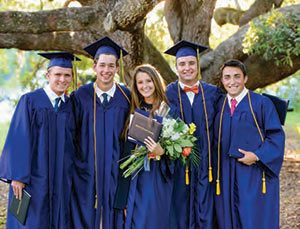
<point x="192" y="128"/>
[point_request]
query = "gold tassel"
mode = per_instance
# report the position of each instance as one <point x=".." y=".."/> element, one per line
<point x="122" y="78"/>
<point x="264" y="186"/>
<point x="210" y="177"/>
<point x="96" y="202"/>
<point x="199" y="67"/>
<point x="187" y="179"/>
<point x="218" y="192"/>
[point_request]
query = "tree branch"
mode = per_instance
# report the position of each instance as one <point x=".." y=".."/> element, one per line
<point x="127" y="13"/>
<point x="261" y="72"/>
<point x="67" y="19"/>
<point x="259" y="7"/>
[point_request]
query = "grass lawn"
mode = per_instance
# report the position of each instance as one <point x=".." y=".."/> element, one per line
<point x="293" y="121"/>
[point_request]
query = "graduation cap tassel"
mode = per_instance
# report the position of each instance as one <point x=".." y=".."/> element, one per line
<point x="199" y="68"/>
<point x="74" y="74"/>
<point x="122" y="67"/>
<point x="187" y="179"/>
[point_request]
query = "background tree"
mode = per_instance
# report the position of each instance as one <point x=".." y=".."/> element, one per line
<point x="70" y="29"/>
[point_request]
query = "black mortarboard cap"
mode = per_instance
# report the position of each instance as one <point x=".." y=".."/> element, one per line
<point x="281" y="106"/>
<point x="105" y="46"/>
<point x="185" y="48"/>
<point x="60" y="59"/>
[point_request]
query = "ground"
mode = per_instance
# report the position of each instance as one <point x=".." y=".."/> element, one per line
<point x="290" y="186"/>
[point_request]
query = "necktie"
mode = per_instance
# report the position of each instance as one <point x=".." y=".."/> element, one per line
<point x="193" y="89"/>
<point x="57" y="100"/>
<point x="232" y="106"/>
<point x="105" y="99"/>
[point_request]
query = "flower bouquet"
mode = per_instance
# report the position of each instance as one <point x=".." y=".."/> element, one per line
<point x="176" y="139"/>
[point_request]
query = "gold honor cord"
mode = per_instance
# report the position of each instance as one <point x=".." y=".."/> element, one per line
<point x="218" y="190"/>
<point x="210" y="178"/>
<point x="264" y="186"/>
<point x="122" y="91"/>
<point x="187" y="180"/>
<point x="95" y="147"/>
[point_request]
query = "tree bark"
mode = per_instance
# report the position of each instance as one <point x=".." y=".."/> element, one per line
<point x="60" y="20"/>
<point x="189" y="19"/>
<point x="127" y="13"/>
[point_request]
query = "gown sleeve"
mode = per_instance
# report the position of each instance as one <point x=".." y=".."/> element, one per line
<point x="271" y="152"/>
<point x="15" y="163"/>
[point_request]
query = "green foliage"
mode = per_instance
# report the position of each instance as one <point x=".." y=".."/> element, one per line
<point x="275" y="37"/>
<point x="286" y="89"/>
<point x="3" y="132"/>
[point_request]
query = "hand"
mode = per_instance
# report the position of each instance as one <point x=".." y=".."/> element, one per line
<point x="17" y="187"/>
<point x="154" y="147"/>
<point x="249" y="157"/>
<point x="125" y="212"/>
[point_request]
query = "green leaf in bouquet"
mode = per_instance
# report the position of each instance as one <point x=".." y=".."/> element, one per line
<point x="177" y="148"/>
<point x="170" y="150"/>
<point x="186" y="143"/>
<point x="195" y="158"/>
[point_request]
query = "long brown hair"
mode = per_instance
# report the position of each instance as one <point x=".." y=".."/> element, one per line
<point x="159" y="85"/>
<point x="136" y="98"/>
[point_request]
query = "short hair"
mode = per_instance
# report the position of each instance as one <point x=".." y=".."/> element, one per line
<point x="234" y="63"/>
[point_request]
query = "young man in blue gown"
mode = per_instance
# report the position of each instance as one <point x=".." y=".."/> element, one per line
<point x="38" y="152"/>
<point x="101" y="109"/>
<point x="249" y="148"/>
<point x="194" y="102"/>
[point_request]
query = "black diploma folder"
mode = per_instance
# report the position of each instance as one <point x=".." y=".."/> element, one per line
<point x="142" y="127"/>
<point x="19" y="208"/>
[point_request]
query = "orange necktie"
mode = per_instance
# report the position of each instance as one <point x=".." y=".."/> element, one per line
<point x="193" y="89"/>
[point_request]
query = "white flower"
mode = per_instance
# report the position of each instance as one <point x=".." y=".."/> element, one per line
<point x="175" y="136"/>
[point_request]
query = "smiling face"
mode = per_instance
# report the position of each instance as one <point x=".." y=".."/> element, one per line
<point x="59" y="79"/>
<point x="145" y="86"/>
<point x="106" y="67"/>
<point x="233" y="80"/>
<point x="187" y="69"/>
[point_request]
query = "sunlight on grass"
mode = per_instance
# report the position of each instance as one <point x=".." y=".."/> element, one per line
<point x="3" y="132"/>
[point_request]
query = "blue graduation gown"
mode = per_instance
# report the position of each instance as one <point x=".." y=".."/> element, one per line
<point x="192" y="205"/>
<point x="149" y="199"/>
<point x="242" y="203"/>
<point x="39" y="152"/>
<point x="109" y="125"/>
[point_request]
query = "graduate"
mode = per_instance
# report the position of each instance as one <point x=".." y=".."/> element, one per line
<point x="150" y="191"/>
<point x="38" y="152"/>
<point x="101" y="109"/>
<point x="249" y="149"/>
<point x="194" y="102"/>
